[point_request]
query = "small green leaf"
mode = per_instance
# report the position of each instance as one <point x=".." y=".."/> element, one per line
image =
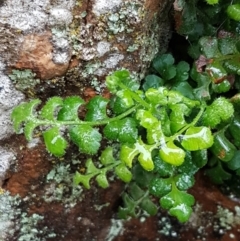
<point x="163" y="168"/>
<point x="118" y="77"/>
<point x="182" y="71"/>
<point x="157" y="96"/>
<point x="220" y="110"/>
<point x="182" y="212"/>
<point x="146" y="118"/>
<point x="197" y="138"/>
<point x="148" y="206"/>
<point x="141" y="177"/>
<point x="29" y="129"/>
<point x="204" y="81"/>
<point x="175" y="198"/>
<point x="69" y="110"/>
<point x="184" y="181"/>
<point x="112" y="82"/>
<point x="106" y="157"/>
<point x="48" y="110"/>
<point x="96" y="109"/>
<point x="177" y="116"/>
<point x="54" y="141"/>
<point x="135" y="191"/>
<point x="189" y="166"/>
<point x="129" y="209"/>
<point x="84" y="179"/>
<point x="22" y="113"/>
<point x="91" y="168"/>
<point x="172" y="154"/>
<point x="212" y="2"/>
<point x="127" y="154"/>
<point x="164" y="64"/>
<point x="152" y="81"/>
<point x="102" y="180"/>
<point x="209" y="47"/>
<point x="227" y="45"/>
<point x="232" y="66"/>
<point x="200" y="157"/>
<point x="90" y="173"/>
<point x="233" y="11"/>
<point x="117" y="105"/>
<point x="234" y="163"/>
<point x="122" y="74"/>
<point x="123" y="130"/>
<point x="184" y="88"/>
<point x="145" y="157"/>
<point x="174" y="97"/>
<point x="86" y="138"/>
<point x="155" y="134"/>
<point x="123" y="173"/>
<point x="160" y="186"/>
<point x="222" y="87"/>
<point x="217" y="174"/>
<point x="126" y="98"/>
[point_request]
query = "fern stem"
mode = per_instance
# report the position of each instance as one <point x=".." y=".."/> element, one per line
<point x="91" y="123"/>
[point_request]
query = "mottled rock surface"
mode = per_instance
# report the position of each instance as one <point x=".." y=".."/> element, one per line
<point x="69" y="46"/>
<point x="98" y="36"/>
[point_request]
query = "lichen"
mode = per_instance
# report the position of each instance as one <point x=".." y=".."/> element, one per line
<point x="29" y="230"/>
<point x="226" y="219"/>
<point x="9" y="211"/>
<point x="60" y="187"/>
<point x="116" y="229"/>
<point x="24" y="79"/>
<point x="9" y="97"/>
<point x="34" y="15"/>
<point x="103" y="6"/>
<point x="102" y="48"/>
<point x="113" y="60"/>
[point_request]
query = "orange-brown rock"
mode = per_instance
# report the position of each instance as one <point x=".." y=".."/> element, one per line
<point x="37" y="54"/>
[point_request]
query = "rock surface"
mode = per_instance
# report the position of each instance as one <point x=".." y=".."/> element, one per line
<point x="47" y="36"/>
<point x="64" y="47"/>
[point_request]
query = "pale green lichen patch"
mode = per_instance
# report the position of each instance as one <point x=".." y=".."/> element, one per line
<point x="226" y="219"/>
<point x="9" y="211"/>
<point x="116" y="229"/>
<point x="60" y="187"/>
<point x="13" y="221"/>
<point x="24" y="79"/>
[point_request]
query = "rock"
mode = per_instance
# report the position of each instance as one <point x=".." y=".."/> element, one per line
<point x="102" y="36"/>
<point x="7" y="158"/>
<point x="9" y="97"/>
<point x="37" y="53"/>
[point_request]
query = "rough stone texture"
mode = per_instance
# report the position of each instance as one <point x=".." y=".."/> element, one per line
<point x="71" y="45"/>
<point x="37" y="54"/>
<point x="7" y="158"/>
<point x="9" y="97"/>
<point x="100" y="36"/>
